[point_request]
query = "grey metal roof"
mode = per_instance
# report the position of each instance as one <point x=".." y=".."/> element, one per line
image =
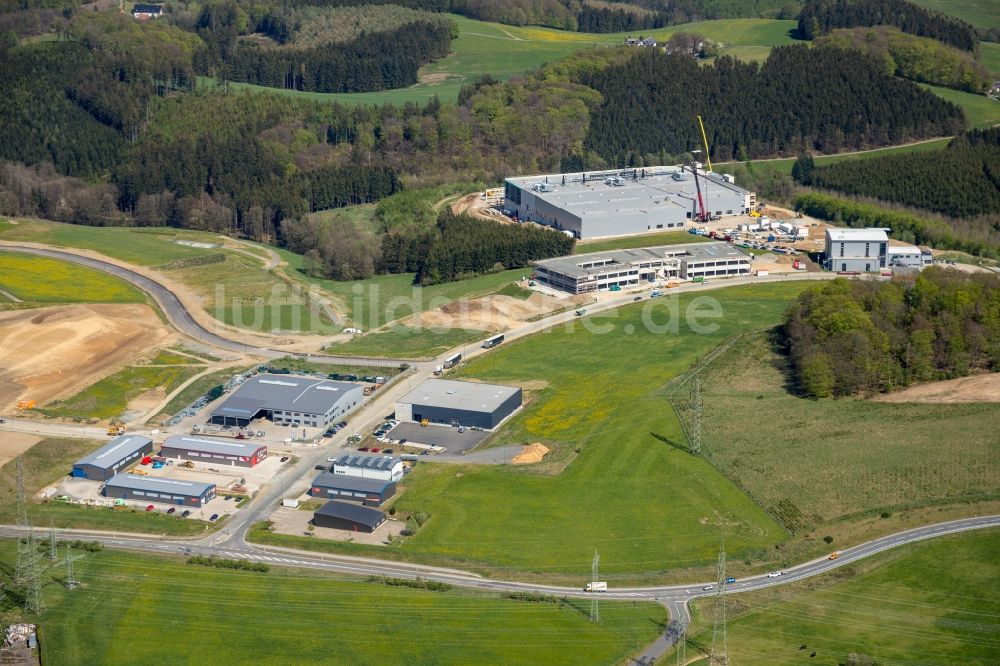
<point x="228" y="447"/>
<point x="118" y="448"/>
<point x="870" y="234"/>
<point x="355" y="483"/>
<point x="289" y="393"/>
<point x="158" y="485"/>
<point x="662" y="186"/>
<point x="354" y="512"/>
<point x="472" y="396"/>
<point x="368" y="462"/>
<point x="572" y="265"/>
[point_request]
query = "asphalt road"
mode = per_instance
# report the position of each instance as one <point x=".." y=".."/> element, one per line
<point x="674" y="597"/>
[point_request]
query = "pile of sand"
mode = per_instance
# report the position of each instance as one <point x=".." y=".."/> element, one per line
<point x="532" y="453"/>
<point x="55" y="352"/>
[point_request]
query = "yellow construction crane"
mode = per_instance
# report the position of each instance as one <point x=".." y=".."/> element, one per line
<point x="704" y="140"/>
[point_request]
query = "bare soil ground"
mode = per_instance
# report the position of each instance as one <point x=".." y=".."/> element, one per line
<point x="57" y="351"/>
<point x="978" y="388"/>
<point x="490" y="313"/>
<point x="474" y="205"/>
<point x="13" y="444"/>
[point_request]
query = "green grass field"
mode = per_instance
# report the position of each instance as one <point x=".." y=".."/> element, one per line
<point x="989" y="56"/>
<point x="980" y="13"/>
<point x="506" y="51"/>
<point x="147" y="246"/>
<point x="936" y="602"/>
<point x="651" y="510"/>
<point x="408" y="342"/>
<point x="197" y="389"/>
<point x="40" y="280"/>
<point x="645" y="240"/>
<point x="980" y="111"/>
<point x="303" y="366"/>
<point x="813" y="464"/>
<point x="136" y="610"/>
<point x="52" y="458"/>
<point x="109" y="397"/>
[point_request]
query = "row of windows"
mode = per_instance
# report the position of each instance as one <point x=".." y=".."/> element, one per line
<point x="147" y="493"/>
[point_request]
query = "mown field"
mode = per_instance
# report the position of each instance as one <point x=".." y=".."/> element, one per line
<point x="980" y="111"/>
<point x="136" y="610"/>
<point x="505" y="51"/>
<point x="980" y="13"/>
<point x="616" y="484"/>
<point x="109" y="397"/>
<point x="936" y="602"/>
<point x="815" y="463"/>
<point x="52" y="458"/>
<point x="43" y="281"/>
<point x="408" y="342"/>
<point x="989" y="56"/>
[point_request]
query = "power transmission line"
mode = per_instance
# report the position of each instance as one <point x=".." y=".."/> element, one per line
<point x="696" y="408"/>
<point x="71" y="580"/>
<point x="595" y="611"/>
<point x="53" y="555"/>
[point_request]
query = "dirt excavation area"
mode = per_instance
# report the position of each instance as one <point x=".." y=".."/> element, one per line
<point x="532" y="453"/>
<point x="13" y="444"/>
<point x="55" y="352"/>
<point x="494" y="313"/>
<point x="978" y="388"/>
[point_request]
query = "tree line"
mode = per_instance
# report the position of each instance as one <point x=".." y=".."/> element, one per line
<point x="817" y="98"/>
<point x="819" y="17"/>
<point x="867" y="337"/>
<point x="917" y="58"/>
<point x="979" y="236"/>
<point x="963" y="180"/>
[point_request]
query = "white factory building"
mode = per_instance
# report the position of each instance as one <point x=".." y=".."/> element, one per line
<point x="623" y="201"/>
<point x="583" y="273"/>
<point x="868" y="251"/>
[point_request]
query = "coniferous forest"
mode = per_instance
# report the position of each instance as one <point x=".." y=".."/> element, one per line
<point x="962" y="181"/>
<point x="865" y="337"/>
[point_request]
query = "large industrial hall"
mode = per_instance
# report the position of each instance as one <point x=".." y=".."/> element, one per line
<point x="624" y="202"/>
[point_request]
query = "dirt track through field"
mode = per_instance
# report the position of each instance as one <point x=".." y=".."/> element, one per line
<point x="979" y="388"/>
<point x="54" y="352"/>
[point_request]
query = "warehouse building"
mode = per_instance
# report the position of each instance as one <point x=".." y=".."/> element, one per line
<point x="459" y="403"/>
<point x="116" y="455"/>
<point x="234" y="452"/>
<point x="623" y="202"/>
<point x="288" y="400"/>
<point x="383" y="468"/>
<point x="856" y="250"/>
<point x="908" y="256"/>
<point x="370" y="492"/>
<point x="345" y="516"/>
<point x="159" y="491"/>
<point x="583" y="273"/>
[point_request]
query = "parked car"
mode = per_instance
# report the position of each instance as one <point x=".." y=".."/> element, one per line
<point x="283" y="459"/>
<point x="461" y="428"/>
<point x="320" y="467"/>
<point x="226" y="498"/>
<point x="185" y="513"/>
<point x="342" y="424"/>
<point x="387" y="451"/>
<point x="149" y="507"/>
<point x="330" y="433"/>
<point x="425" y="453"/>
<point x="363" y="448"/>
<point x="637" y="298"/>
<point x="375" y="450"/>
<point x="215" y="516"/>
<point x="171" y="509"/>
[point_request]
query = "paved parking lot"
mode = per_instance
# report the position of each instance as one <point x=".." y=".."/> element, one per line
<point x="437" y="435"/>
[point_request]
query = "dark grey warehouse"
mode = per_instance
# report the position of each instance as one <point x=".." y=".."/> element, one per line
<point x="462" y="403"/>
<point x="345" y="516"/>
<point x="370" y="492"/>
<point x="116" y="455"/>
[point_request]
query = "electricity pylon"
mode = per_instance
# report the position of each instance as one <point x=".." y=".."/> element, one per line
<point x="696" y="408"/>
<point x="720" y="645"/>
<point x="71" y="580"/>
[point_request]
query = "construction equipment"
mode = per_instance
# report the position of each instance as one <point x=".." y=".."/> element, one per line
<point x="25" y="404"/>
<point x="702" y="214"/>
<point x="116" y="428"/>
<point x="139" y="472"/>
<point x="187" y="464"/>
<point x="424" y="423"/>
<point x="704" y="139"/>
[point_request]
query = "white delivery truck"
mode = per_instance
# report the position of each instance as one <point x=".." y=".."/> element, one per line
<point x="596" y="587"/>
